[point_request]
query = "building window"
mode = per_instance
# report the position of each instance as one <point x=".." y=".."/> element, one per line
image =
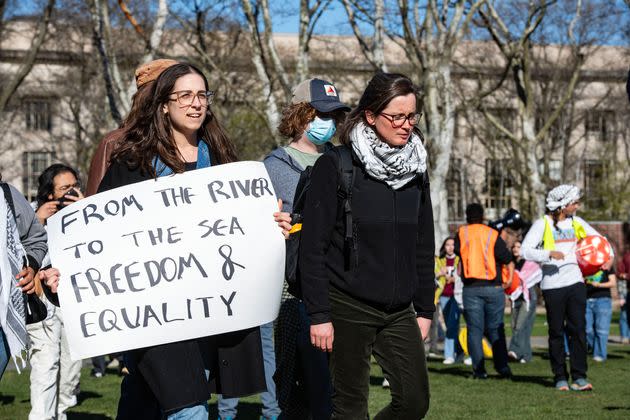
<point x="553" y="171"/>
<point x="557" y="131"/>
<point x="594" y="183"/>
<point x="498" y="186"/>
<point x="38" y="114"/>
<point x="33" y="164"/>
<point x="600" y="124"/>
<point x="455" y="190"/>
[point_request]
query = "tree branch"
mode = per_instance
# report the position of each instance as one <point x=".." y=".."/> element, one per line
<point x="131" y="19"/>
<point x="12" y="85"/>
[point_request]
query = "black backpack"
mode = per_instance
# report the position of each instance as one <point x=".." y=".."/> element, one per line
<point x="36" y="309"/>
<point x="344" y="195"/>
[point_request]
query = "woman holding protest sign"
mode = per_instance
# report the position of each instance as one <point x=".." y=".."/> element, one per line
<point x="367" y="254"/>
<point x="177" y="132"/>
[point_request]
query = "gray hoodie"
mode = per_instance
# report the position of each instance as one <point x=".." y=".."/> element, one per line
<point x="284" y="172"/>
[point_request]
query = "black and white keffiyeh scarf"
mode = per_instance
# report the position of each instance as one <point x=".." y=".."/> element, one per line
<point x="395" y="166"/>
<point x="12" y="300"/>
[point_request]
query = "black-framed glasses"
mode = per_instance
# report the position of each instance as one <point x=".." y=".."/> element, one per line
<point x="398" y="120"/>
<point x="65" y="188"/>
<point x="187" y="97"/>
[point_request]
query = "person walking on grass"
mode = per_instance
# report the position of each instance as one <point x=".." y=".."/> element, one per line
<point x="483" y="252"/>
<point x="54" y="375"/>
<point x="524" y="301"/>
<point x="552" y="241"/>
<point x="309" y="122"/>
<point x="446" y="272"/>
<point x="599" y="312"/>
<point x="368" y="283"/>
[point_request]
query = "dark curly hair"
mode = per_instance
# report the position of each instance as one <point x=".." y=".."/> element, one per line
<point x="294" y="119"/>
<point x="45" y="182"/>
<point x="296" y="116"/>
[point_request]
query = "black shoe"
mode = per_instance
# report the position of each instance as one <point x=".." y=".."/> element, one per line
<point x="506" y="374"/>
<point x="480" y="376"/>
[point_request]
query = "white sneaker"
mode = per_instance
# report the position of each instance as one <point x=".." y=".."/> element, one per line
<point x="512" y="355"/>
<point x="449" y="361"/>
<point x="598" y="359"/>
<point x="385" y="383"/>
<point x="468" y="361"/>
<point x="113" y="364"/>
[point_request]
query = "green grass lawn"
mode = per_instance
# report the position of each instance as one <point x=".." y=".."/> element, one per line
<point x="454" y="395"/>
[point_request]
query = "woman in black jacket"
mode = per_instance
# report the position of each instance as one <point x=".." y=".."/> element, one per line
<point x="373" y="295"/>
<point x="176" y="132"/>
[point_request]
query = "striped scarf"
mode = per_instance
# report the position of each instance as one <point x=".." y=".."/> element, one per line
<point x="396" y="166"/>
<point x="12" y="300"/>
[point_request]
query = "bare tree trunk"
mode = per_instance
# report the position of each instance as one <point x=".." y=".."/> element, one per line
<point x="430" y="43"/>
<point x="274" y="78"/>
<point x="119" y="93"/>
<point x="301" y="67"/>
<point x="98" y="12"/>
<point x="372" y="49"/>
<point x="10" y="86"/>
<point x="153" y="42"/>
<point x="516" y="48"/>
<point x="258" y="59"/>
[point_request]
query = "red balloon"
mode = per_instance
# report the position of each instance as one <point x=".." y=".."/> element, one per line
<point x="592" y="252"/>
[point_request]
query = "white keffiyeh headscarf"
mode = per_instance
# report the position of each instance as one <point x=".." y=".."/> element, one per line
<point x="12" y="300"/>
<point x="562" y="196"/>
<point x="396" y="166"/>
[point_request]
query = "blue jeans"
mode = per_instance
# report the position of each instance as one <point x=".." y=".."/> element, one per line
<point x="623" y="321"/>
<point x="227" y="406"/>
<point x="598" y="315"/>
<point x="483" y="310"/>
<point x="194" y="412"/>
<point x="4" y="352"/>
<point x="451" y="314"/>
<point x="523" y="317"/>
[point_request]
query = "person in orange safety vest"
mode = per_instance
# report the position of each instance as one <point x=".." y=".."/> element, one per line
<point x="482" y="252"/>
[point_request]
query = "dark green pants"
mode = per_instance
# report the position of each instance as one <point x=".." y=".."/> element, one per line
<point x="395" y="341"/>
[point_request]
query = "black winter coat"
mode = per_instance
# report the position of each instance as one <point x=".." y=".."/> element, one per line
<point x="175" y="372"/>
<point x="392" y="264"/>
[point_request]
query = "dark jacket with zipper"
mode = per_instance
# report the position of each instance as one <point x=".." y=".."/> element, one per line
<point x="174" y="372"/>
<point x="392" y="262"/>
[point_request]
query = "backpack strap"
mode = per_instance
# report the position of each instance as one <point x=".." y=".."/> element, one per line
<point x="8" y="197"/>
<point x="346" y="172"/>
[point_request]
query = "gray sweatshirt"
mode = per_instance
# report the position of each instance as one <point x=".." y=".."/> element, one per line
<point x="32" y="233"/>
<point x="284" y="172"/>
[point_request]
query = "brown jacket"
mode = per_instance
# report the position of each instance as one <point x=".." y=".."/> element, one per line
<point x="100" y="160"/>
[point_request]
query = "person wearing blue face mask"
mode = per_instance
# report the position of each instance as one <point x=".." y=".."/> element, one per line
<point x="304" y="388"/>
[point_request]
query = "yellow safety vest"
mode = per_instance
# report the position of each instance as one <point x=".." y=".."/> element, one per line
<point x="550" y="244"/>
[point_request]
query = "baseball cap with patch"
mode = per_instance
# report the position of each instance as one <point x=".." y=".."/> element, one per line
<point x="322" y="95"/>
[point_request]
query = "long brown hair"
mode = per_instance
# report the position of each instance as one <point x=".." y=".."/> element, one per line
<point x="381" y="89"/>
<point x="147" y="133"/>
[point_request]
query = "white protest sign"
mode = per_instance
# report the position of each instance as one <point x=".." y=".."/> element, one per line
<point x="171" y="259"/>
